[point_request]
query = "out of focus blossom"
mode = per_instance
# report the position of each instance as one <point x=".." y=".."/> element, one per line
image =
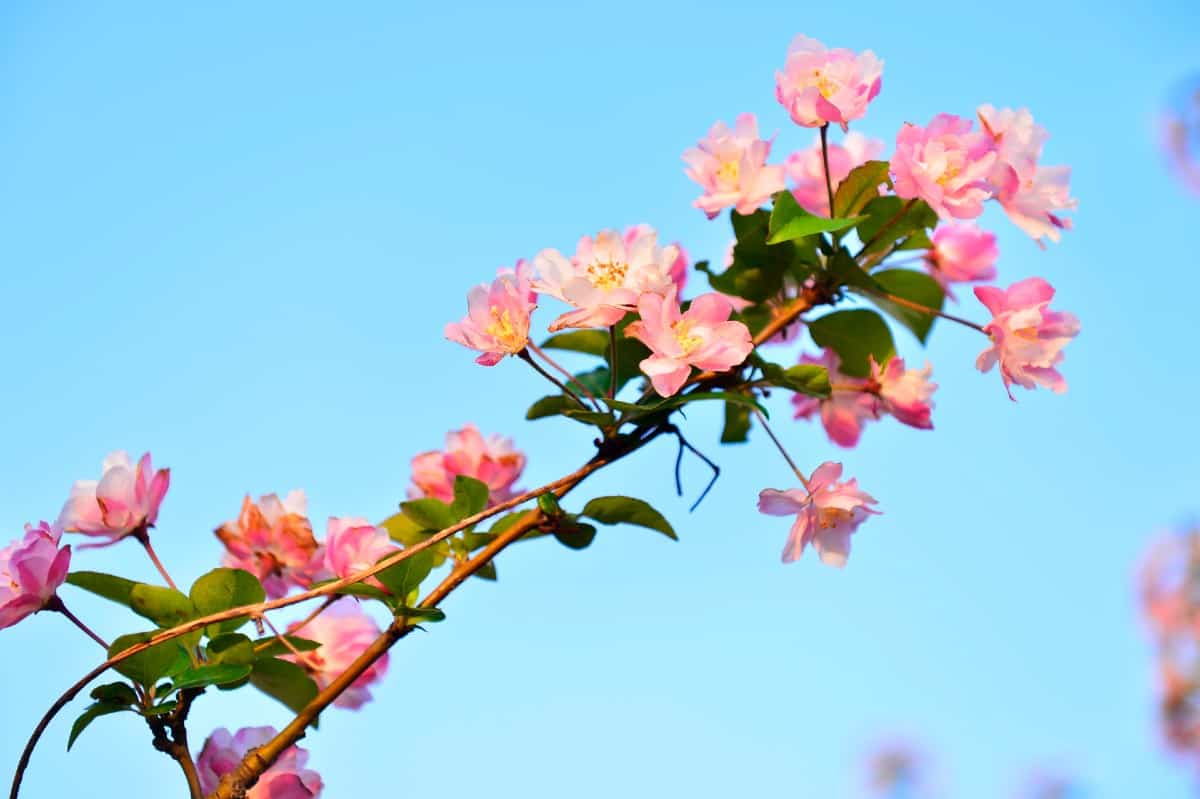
<point x="849" y="406"/>
<point x="493" y="460"/>
<point x="819" y="86"/>
<point x="679" y="267"/>
<point x="344" y="631"/>
<point x="1180" y="126"/>
<point x="1027" y="337"/>
<point x="124" y="501"/>
<point x="806" y="169"/>
<point x="946" y="164"/>
<point x="273" y="540"/>
<point x="31" y="570"/>
<point x="904" y="393"/>
<point x="497" y="320"/>
<point x="731" y="167"/>
<point x="896" y="769"/>
<point x="353" y="544"/>
<point x="286" y="778"/>
<point x="962" y="253"/>
<point x="827" y="513"/>
<point x="702" y="336"/>
<point x="606" y="276"/>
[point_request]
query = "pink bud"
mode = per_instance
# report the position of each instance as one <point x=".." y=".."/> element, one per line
<point x="124" y="501"/>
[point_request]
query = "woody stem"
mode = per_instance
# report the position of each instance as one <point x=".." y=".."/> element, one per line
<point x="825" y="163"/>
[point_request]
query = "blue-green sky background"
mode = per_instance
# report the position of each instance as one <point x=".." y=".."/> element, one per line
<point x="232" y="233"/>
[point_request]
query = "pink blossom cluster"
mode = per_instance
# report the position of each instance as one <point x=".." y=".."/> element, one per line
<point x="493" y="460"/>
<point x="286" y="778"/>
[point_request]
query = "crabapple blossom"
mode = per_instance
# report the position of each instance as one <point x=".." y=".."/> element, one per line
<point x="1027" y="337"/>
<point x="945" y="164"/>
<point x="273" y="540"/>
<point x="343" y="631"/>
<point x="827" y="514"/>
<point x="286" y="778"/>
<point x="679" y="267"/>
<point x="605" y="277"/>
<point x="819" y="86"/>
<point x="731" y="167"/>
<point x="904" y="393"/>
<point x="493" y="460"/>
<point x="961" y="253"/>
<point x="124" y="501"/>
<point x="849" y="406"/>
<point x="497" y="320"/>
<point x="31" y="570"/>
<point x="353" y="544"/>
<point x="806" y="168"/>
<point x="702" y="336"/>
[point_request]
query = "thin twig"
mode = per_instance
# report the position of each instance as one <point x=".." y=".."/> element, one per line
<point x="825" y="161"/>
<point x="612" y="361"/>
<point x="782" y="451"/>
<point x="886" y="226"/>
<point x="143" y="537"/>
<point x="527" y="358"/>
<point x="587" y="392"/>
<point x="57" y="605"/>
<point x="925" y="309"/>
<point x="685" y="444"/>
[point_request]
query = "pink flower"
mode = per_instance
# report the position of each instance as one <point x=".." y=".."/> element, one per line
<point x="679" y="267"/>
<point x="605" y="277"/>
<point x="124" y="501"/>
<point x="1027" y="337"/>
<point x="494" y="460"/>
<point x="731" y="167"/>
<point x="847" y="408"/>
<point x="273" y="540"/>
<point x="31" y="570"/>
<point x="1033" y="196"/>
<point x="962" y="253"/>
<point x="806" y="168"/>
<point x="343" y="631"/>
<point x="827" y="514"/>
<point x="285" y="779"/>
<point x="946" y="165"/>
<point x="819" y="86"/>
<point x="905" y="393"/>
<point x="702" y="337"/>
<point x="497" y="320"/>
<point x="353" y="544"/>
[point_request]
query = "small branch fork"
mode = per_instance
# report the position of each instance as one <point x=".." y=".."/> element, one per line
<point x="170" y="738"/>
<point x="234" y="785"/>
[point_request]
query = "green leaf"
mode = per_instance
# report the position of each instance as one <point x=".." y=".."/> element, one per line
<point x="854" y="335"/>
<point x="430" y="513"/>
<point x="90" y="714"/>
<point x="470" y="497"/>
<point x="151" y="665"/>
<point x="789" y="221"/>
<point x="552" y="405"/>
<point x="860" y="187"/>
<point x="737" y="424"/>
<point x="890" y="219"/>
<point x="421" y="614"/>
<point x="595" y="381"/>
<point x="487" y="571"/>
<point x="592" y="342"/>
<point x="618" y="509"/>
<point x="915" y="287"/>
<point x="573" y="534"/>
<point x="403" y="529"/>
<point x="758" y="269"/>
<point x="231" y="648"/>
<point x="161" y="709"/>
<point x="111" y="587"/>
<point x="272" y="646"/>
<point x="284" y="681"/>
<point x="808" y="379"/>
<point x="212" y="674"/>
<point x="166" y="607"/>
<point x="679" y="400"/>
<point x="406" y="576"/>
<point x="845" y="271"/>
<point x="222" y="589"/>
<point x="117" y="693"/>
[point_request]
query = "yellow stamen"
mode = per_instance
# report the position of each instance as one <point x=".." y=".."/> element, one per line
<point x="607" y="275"/>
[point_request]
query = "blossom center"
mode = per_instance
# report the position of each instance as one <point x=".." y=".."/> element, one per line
<point x="504" y="331"/>
<point x="829" y="518"/>
<point x="826" y="85"/>
<point x="729" y="172"/>
<point x="607" y="275"/>
<point x="684" y="337"/>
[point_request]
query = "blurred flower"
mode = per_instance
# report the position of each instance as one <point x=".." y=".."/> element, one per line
<point x="905" y="393"/>
<point x="827" y="514"/>
<point x="605" y="277"/>
<point x="493" y="460"/>
<point x="1181" y="131"/>
<point x="806" y="168"/>
<point x="353" y="544"/>
<point x="344" y="632"/>
<point x="849" y="406"/>
<point x="31" y="570"/>
<point x="731" y="167"/>
<point x="273" y="540"/>
<point x="285" y="779"/>
<point x="702" y="336"/>
<point x="896" y="768"/>
<point x="945" y="164"/>
<point x="962" y="253"/>
<point x="1027" y="337"/>
<point x="497" y="320"/>
<point x="819" y="86"/>
<point x="124" y="501"/>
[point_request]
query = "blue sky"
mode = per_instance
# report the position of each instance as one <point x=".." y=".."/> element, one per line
<point x="232" y="234"/>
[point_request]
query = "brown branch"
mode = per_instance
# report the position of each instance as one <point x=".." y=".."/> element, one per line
<point x="175" y="744"/>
